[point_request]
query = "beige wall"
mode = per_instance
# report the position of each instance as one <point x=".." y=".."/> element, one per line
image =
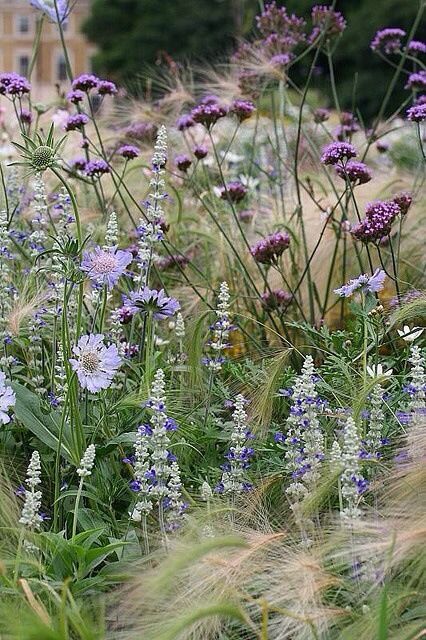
<point x="15" y="45"/>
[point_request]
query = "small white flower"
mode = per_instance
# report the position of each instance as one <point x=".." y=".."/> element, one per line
<point x="377" y="371"/>
<point x="87" y="462"/>
<point x="409" y="335"/>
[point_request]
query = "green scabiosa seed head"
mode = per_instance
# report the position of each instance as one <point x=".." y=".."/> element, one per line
<point x="42" y="158"/>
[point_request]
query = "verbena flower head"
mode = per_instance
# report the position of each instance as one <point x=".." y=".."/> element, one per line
<point x="107" y="88"/>
<point x="355" y="172"/>
<point x="243" y="109"/>
<point x="321" y="115"/>
<point x="95" y="364"/>
<point x="364" y="284"/>
<point x="234" y="191"/>
<point x="25" y="116"/>
<point x="128" y="151"/>
<point x="416" y="46"/>
<point x="269" y="249"/>
<point x="404" y="200"/>
<point x="417" y="113"/>
<point x="7" y="399"/>
<point x="184" y="122"/>
<point x="78" y="121"/>
<point x="106" y="266"/>
<point x="13" y="84"/>
<point x="200" y="151"/>
<point x="75" y="96"/>
<point x="277" y="300"/>
<point x="377" y="224"/>
<point x="208" y="114"/>
<point x="151" y="301"/>
<point x="417" y="80"/>
<point x="96" y="168"/>
<point x="183" y="162"/>
<point x="325" y="19"/>
<point x="48" y="8"/>
<point x="338" y="152"/>
<point x="388" y="40"/>
<point x="85" y="82"/>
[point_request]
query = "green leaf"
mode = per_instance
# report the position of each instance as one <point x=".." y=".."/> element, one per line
<point x="44" y="426"/>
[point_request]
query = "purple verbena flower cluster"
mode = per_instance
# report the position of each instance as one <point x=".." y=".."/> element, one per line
<point x="269" y="249"/>
<point x="377" y="224"/>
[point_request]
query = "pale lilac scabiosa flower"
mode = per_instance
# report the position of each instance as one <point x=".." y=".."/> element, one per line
<point x="388" y="40"/>
<point x="234" y="191"/>
<point x="7" y="399"/>
<point x="417" y="113"/>
<point x="49" y="9"/>
<point x="337" y="152"/>
<point x="377" y="224"/>
<point x="364" y="283"/>
<point x="355" y="172"/>
<point x="105" y="266"/>
<point x="95" y="364"/>
<point x="269" y="249"/>
<point x="150" y="300"/>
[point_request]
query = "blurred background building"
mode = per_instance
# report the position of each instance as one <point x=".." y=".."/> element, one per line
<point x="17" y="31"/>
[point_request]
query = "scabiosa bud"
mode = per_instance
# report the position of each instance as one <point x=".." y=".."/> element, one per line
<point x="417" y="80"/>
<point x="269" y="249"/>
<point x="75" y="96"/>
<point x="321" y="115"/>
<point x="208" y="114"/>
<point x="356" y="172"/>
<point x="96" y="168"/>
<point x="234" y="191"/>
<point x="75" y="122"/>
<point x="388" y="40"/>
<point x="85" y="82"/>
<point x="243" y="109"/>
<point x="277" y="300"/>
<point x="128" y="151"/>
<point x="183" y="162"/>
<point x="106" y="88"/>
<point x="200" y="151"/>
<point x="404" y="201"/>
<point x="377" y="222"/>
<point x="87" y="462"/>
<point x="42" y="158"/>
<point x="417" y="113"/>
<point x="337" y="152"/>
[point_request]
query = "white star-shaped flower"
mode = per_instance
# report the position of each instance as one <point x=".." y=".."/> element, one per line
<point x="409" y="335"/>
<point x="377" y="371"/>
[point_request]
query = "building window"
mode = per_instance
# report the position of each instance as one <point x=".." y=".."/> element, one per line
<point x="23" y="65"/>
<point x="61" y="68"/>
<point x="23" y="25"/>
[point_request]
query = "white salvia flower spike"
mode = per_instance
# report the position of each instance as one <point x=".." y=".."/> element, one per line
<point x="87" y="462"/>
<point x="30" y="516"/>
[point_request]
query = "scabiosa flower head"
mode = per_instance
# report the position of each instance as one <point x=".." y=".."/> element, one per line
<point x="388" y="40"/>
<point x="356" y="172"/>
<point x="416" y="46"/>
<point x="321" y="115"/>
<point x="404" y="201"/>
<point x="75" y="96"/>
<point x="7" y="399"/>
<point x="269" y="249"/>
<point x="128" y="151"/>
<point x="234" y="191"/>
<point x="417" y="113"/>
<point x="49" y="9"/>
<point x="183" y="162"/>
<point x="208" y="114"/>
<point x="105" y="266"/>
<point x="85" y="82"/>
<point x="338" y="152"/>
<point x="200" y="151"/>
<point x="75" y="122"/>
<point x="326" y="19"/>
<point x="417" y="80"/>
<point x="364" y="284"/>
<point x="106" y="88"/>
<point x="243" y="109"/>
<point x="184" y="122"/>
<point x="87" y="462"/>
<point x="377" y="222"/>
<point x="276" y="300"/>
<point x="96" y="168"/>
<point x="150" y="300"/>
<point x="13" y="84"/>
<point x="95" y="364"/>
<point x="30" y="516"/>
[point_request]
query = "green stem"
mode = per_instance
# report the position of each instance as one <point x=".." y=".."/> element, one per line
<point x="77" y="503"/>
